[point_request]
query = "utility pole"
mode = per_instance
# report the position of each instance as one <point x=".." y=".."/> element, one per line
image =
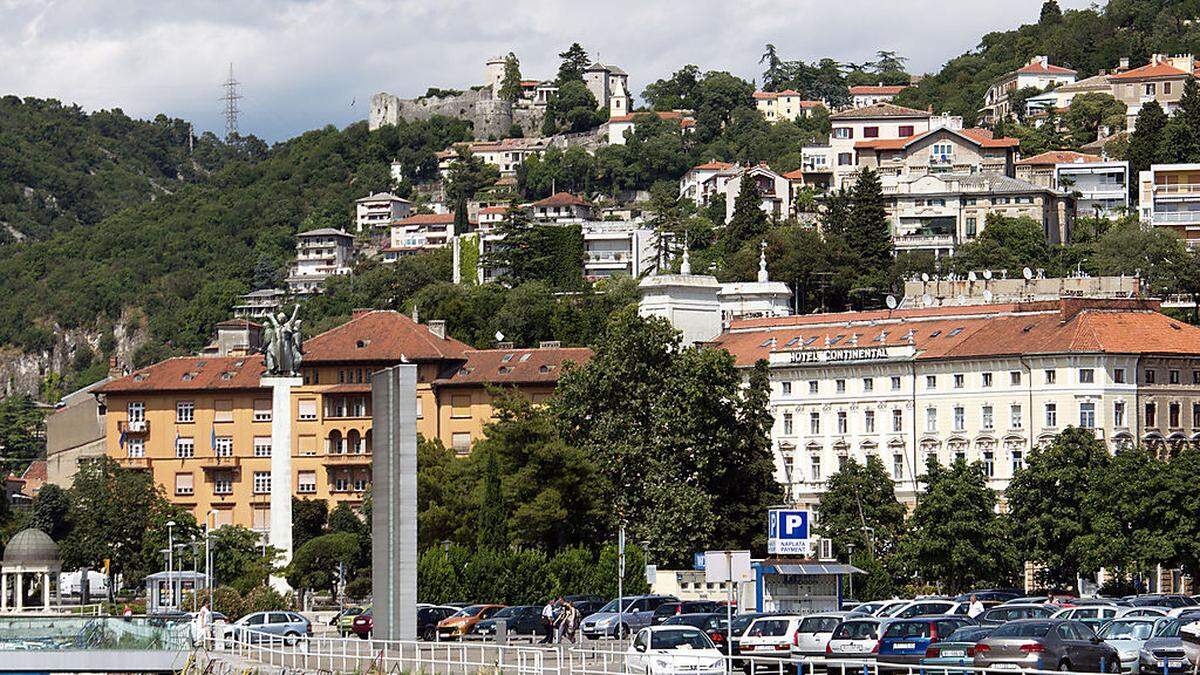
<point x="231" y="99"/>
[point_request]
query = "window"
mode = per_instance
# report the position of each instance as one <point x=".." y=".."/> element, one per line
<point x="786" y="388"/>
<point x="841" y="422"/>
<point x="308" y="409"/>
<point x="989" y="463"/>
<point x="942" y="151"/>
<point x="895" y="384"/>
<point x="260" y="518"/>
<point x="987" y="379"/>
<point x="1119" y="375"/>
<point x="223" y="484"/>
<point x="1086" y="376"/>
<point x="1196" y="377"/>
<point x="931" y="420"/>
<point x="137" y="447"/>
<point x="1014" y="416"/>
<point x="814" y="423"/>
<point x="842" y="459"/>
<point x="1148" y="89"/>
<point x="262" y="446"/>
<point x="360" y="483"/>
<point x="1087" y="415"/>
<point x="306" y="482"/>
<point x="868" y="384"/>
<point x="986" y="417"/>
<point x="960" y="418"/>
<point x="135" y="411"/>
<point x="1119" y="414"/>
<point x="1051" y="376"/>
<point x="814" y="386"/>
<point x="869" y="421"/>
<point x="1151" y="415"/>
<point x="931" y="381"/>
<point x="870" y="132"/>
<point x="815" y="466"/>
<point x="1149" y="376"/>
<point x="1018" y="461"/>
<point x="959" y="380"/>
<point x="1166" y="88"/>
<point x="787" y="424"/>
<point x="223" y="410"/>
<point x="1014" y="378"/>
<point x="1173" y="376"/>
<point x="262" y="410"/>
<point x="1173" y="414"/>
<point x="897" y="420"/>
<point x="184" y="484"/>
<point x="906" y="130"/>
<point x="1196" y="414"/>
<point x="262" y="482"/>
<point x="461" y="442"/>
<point x="185" y="447"/>
<point x="845" y="158"/>
<point x="1052" y="415"/>
<point x="897" y="466"/>
<point x="223" y="447"/>
<point x="460" y="405"/>
<point x="840" y="386"/>
<point x="972" y="227"/>
<point x="185" y="412"/>
<point x="843" y="132"/>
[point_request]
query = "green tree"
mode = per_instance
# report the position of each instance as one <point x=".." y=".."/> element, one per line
<point x="1189" y="105"/>
<point x="573" y="107"/>
<point x="749" y="222"/>
<point x="859" y="508"/>
<point x="1048" y="499"/>
<point x="315" y="564"/>
<point x="868" y="232"/>
<point x="308" y="519"/>
<point x="20" y="431"/>
<point x="239" y="558"/>
<point x="266" y="272"/>
<point x="1128" y="511"/>
<point x="680" y="91"/>
<point x="529" y="251"/>
<point x="510" y="87"/>
<point x="1089" y="112"/>
<point x="468" y="175"/>
<point x="774" y="75"/>
<point x="50" y="512"/>
<point x="1179" y="143"/>
<point x="1051" y="13"/>
<point x="574" y="61"/>
<point x="343" y="519"/>
<point x="1145" y="141"/>
<point x="493" y="512"/>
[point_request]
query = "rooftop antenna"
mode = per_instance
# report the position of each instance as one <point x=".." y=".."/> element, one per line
<point x="232" y="111"/>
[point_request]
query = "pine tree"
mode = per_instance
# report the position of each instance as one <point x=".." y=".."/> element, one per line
<point x="266" y="273"/>
<point x="510" y="87"/>
<point x="835" y="213"/>
<point x="493" y="514"/>
<point x="868" y="231"/>
<point x="1051" y="13"/>
<point x="575" y="61"/>
<point x="1145" y="140"/>
<point x="749" y="221"/>
<point x="1178" y="143"/>
<point x="1189" y="105"/>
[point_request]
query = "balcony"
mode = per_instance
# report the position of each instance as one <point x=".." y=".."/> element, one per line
<point x="134" y="463"/>
<point x="134" y="427"/>
<point x="220" y="463"/>
<point x="923" y="240"/>
<point x="1176" y="217"/>
<point x="1177" y="189"/>
<point x="348" y="460"/>
<point x="940" y="160"/>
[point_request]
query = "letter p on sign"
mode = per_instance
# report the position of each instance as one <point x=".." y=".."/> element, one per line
<point x="794" y="525"/>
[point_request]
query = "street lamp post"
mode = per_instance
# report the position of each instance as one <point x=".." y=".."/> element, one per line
<point x="171" y="561"/>
<point x="208" y="556"/>
<point x="850" y="560"/>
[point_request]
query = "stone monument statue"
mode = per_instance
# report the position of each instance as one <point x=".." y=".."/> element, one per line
<point x="282" y="344"/>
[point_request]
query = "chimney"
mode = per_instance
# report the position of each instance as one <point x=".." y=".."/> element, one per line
<point x="549" y="344"/>
<point x="438" y="328"/>
<point x="1124" y="63"/>
<point x="114" y="367"/>
<point x="360" y="312"/>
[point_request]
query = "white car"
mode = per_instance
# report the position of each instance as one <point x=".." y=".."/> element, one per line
<point x="769" y="637"/>
<point x="814" y="632"/>
<point x="1089" y="614"/>
<point x="890" y="606"/>
<point x="1130" y="612"/>
<point x="929" y="608"/>
<point x="1127" y="635"/>
<point x="856" y="639"/>
<point x="662" y="650"/>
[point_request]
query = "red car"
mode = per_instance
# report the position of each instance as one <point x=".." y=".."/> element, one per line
<point x="362" y="625"/>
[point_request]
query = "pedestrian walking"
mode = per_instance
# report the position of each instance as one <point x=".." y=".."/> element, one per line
<point x="547" y="623"/>
<point x="975" y="608"/>
<point x="560" y="611"/>
<point x="570" y="621"/>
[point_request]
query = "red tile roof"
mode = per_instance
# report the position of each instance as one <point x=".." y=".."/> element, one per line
<point x="981" y="137"/>
<point x="36" y="471"/>
<point x="794" y="175"/>
<point x="561" y="199"/>
<point x="381" y="336"/>
<point x="880" y="110"/>
<point x="768" y="95"/>
<point x="515" y="366"/>
<point x="712" y="166"/>
<point x="428" y="219"/>
<point x="1150" y="70"/>
<point x="186" y="373"/>
<point x="494" y="209"/>
<point x="872" y="89"/>
<point x="1071" y="325"/>
<point x="1051" y="157"/>
<point x="1040" y="68"/>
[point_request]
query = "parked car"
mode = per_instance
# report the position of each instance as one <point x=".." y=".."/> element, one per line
<point x="668" y="609"/>
<point x="814" y="633"/>
<point x="665" y="650"/>
<point x="1093" y="615"/>
<point x="929" y="608"/>
<point x="1161" y="600"/>
<point x="461" y="622"/>
<point x="1006" y="612"/>
<point x="587" y="608"/>
<point x="1163" y="652"/>
<point x="634" y="614"/>
<point x="904" y="640"/>
<point x="891" y="606"/>
<point x="768" y="637"/>
<point x="990" y="595"/>
<point x="866" y="608"/>
<point x="1127" y="635"/>
<point x="1046" y="644"/>
<point x="343" y="621"/>
<point x="712" y="623"/>
<point x="1028" y="600"/>
<point x="520" y="620"/>
<point x="259" y="626"/>
<point x="741" y="623"/>
<point x="855" y="639"/>
<point x="428" y="619"/>
<point x="958" y="648"/>
<point x="364" y="622"/>
<point x="1129" y="612"/>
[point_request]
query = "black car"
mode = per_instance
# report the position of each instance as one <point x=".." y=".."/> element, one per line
<point x="520" y="620"/>
<point x="669" y="609"/>
<point x="587" y="607"/>
<point x="1165" y="600"/>
<point x="428" y="618"/>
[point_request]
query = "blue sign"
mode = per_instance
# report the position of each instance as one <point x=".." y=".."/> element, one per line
<point x="698" y="561"/>
<point x="788" y="531"/>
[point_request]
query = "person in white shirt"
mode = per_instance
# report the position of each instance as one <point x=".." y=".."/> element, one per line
<point x="975" y="608"/>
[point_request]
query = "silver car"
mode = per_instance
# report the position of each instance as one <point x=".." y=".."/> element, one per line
<point x="1046" y="644"/>
<point x="289" y="627"/>
<point x="1127" y="635"/>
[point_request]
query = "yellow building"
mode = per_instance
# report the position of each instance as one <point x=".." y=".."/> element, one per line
<point x="202" y="424"/>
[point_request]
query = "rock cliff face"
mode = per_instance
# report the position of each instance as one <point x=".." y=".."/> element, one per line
<point x="24" y="372"/>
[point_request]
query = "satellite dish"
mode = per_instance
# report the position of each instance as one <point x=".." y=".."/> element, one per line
<point x="925" y="277"/>
<point x="987" y="274"/>
<point x="987" y="296"/>
<point x="891" y="302"/>
<point x="499" y="336"/>
<point x="1027" y="273"/>
<point x="971" y="277"/>
<point x="927" y="300"/>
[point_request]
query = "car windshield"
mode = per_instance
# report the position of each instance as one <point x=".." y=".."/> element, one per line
<point x="506" y="613"/>
<point x="612" y="605"/>
<point x="867" y="608"/>
<point x="819" y="624"/>
<point x="856" y="630"/>
<point x="1022" y="629"/>
<point x="469" y="610"/>
<point x="1169" y="629"/>
<point x="904" y="629"/>
<point x="679" y="639"/>
<point x="696" y="620"/>
<point x="1127" y="630"/>
<point x="969" y="634"/>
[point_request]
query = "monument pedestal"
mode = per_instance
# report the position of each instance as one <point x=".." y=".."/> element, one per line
<point x="280" y="534"/>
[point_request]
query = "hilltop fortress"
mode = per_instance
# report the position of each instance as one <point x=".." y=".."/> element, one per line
<point x="492" y="117"/>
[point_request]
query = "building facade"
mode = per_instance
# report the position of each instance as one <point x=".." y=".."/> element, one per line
<point x="614" y="247"/>
<point x="1160" y="80"/>
<point x="421" y="232"/>
<point x="1169" y="197"/>
<point x="319" y="254"/>
<point x="1039" y="73"/>
<point x="789" y="104"/>
<point x="863" y="95"/>
<point x="380" y="210"/>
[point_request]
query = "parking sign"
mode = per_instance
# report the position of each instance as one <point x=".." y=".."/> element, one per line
<point x="788" y="531"/>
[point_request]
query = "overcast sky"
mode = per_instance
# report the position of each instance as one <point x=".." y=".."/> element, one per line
<point x="306" y="64"/>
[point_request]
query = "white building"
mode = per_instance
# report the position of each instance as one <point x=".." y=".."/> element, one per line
<point x="984" y="383"/>
<point x="882" y="121"/>
<point x="693" y="182"/>
<point x="774" y="191"/>
<point x="1101" y="188"/>
<point x="788" y="104"/>
<point x="319" y="254"/>
<point x="863" y="95"/>
<point x="1169" y="197"/>
<point x="257" y="304"/>
<point x="755" y="299"/>
<point x="1039" y="73"/>
<point x="605" y="81"/>
<point x="611" y="248"/>
<point x="506" y="155"/>
<point x="420" y="232"/>
<point x="618" y="126"/>
<point x="379" y="210"/>
<point x="560" y="207"/>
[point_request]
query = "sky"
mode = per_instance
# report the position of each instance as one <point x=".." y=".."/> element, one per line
<point x="303" y="64"/>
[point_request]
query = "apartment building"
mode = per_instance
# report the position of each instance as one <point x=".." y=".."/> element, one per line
<point x="619" y="126"/>
<point x="201" y="425"/>
<point x="320" y="254"/>
<point x="1039" y="73"/>
<point x="774" y="191"/>
<point x="1161" y="80"/>
<point x="788" y="104"/>
<point x="695" y="181"/>
<point x="879" y="122"/>
<point x="258" y="304"/>
<point x="420" y="232"/>
<point x="863" y="95"/>
<point x="560" y="207"/>
<point x="612" y="248"/>
<point x="506" y="155"/>
<point x="380" y="210"/>
<point x="1059" y="98"/>
<point x="984" y="383"/>
<point x="1169" y="197"/>
<point x="1100" y="187"/>
<point x="937" y="151"/>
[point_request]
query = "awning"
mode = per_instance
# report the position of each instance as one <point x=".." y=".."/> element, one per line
<point x="811" y="569"/>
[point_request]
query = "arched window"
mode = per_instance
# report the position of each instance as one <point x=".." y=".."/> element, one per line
<point x="353" y="442"/>
<point x="335" y="445"/>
